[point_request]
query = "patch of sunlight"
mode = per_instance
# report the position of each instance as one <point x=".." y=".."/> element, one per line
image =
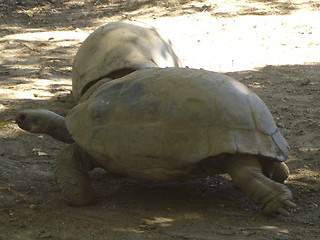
<point x="275" y="229"/>
<point x="309" y="149"/>
<point x="32" y="94"/>
<point x="243" y="42"/>
<point x="47" y="83"/>
<point x="256" y="85"/>
<point x="3" y="107"/>
<point x="44" y="36"/>
<point x="161" y="221"/>
<point x="147" y="224"/>
<point x="40" y="89"/>
<point x="306" y="173"/>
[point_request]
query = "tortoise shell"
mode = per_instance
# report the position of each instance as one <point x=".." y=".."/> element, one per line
<point x="161" y="123"/>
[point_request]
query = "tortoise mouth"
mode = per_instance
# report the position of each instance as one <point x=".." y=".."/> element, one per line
<point x="20" y="117"/>
<point x="20" y="120"/>
<point x="25" y="123"/>
<point x="23" y="126"/>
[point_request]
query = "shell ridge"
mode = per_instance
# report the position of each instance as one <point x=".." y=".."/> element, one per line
<point x="255" y="123"/>
<point x="117" y="100"/>
<point x="276" y="143"/>
<point x="284" y="153"/>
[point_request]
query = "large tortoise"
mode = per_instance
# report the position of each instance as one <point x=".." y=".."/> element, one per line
<point x="117" y="49"/>
<point x="170" y="124"/>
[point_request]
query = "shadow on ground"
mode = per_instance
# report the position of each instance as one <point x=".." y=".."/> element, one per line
<point x="49" y="15"/>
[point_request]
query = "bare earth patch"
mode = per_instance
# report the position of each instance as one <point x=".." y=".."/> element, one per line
<point x="271" y="46"/>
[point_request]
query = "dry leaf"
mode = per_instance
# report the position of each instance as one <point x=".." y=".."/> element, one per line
<point x="30" y="14"/>
<point x="12" y="219"/>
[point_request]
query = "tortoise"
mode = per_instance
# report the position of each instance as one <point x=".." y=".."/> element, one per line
<point x="170" y="124"/>
<point x="116" y="49"/>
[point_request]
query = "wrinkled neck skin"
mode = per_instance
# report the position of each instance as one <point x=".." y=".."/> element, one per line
<point x="56" y="128"/>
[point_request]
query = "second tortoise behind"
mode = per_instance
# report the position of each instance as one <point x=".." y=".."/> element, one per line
<point x="175" y="124"/>
<point x="117" y="49"/>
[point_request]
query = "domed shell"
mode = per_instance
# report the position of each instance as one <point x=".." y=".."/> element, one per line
<point x="116" y="46"/>
<point x="173" y="118"/>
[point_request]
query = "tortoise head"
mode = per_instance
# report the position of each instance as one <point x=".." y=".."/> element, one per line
<point x="33" y="121"/>
<point x="44" y="121"/>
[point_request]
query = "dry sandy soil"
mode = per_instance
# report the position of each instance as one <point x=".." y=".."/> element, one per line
<point x="273" y="47"/>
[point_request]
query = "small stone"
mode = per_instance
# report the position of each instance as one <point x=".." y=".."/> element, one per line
<point x="305" y="82"/>
<point x="281" y="125"/>
<point x="32" y="206"/>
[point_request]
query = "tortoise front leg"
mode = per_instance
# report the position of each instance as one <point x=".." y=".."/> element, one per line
<point x="246" y="173"/>
<point x="71" y="171"/>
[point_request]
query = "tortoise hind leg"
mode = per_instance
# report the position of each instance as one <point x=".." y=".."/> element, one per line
<point x="71" y="171"/>
<point x="280" y="172"/>
<point x="246" y="173"/>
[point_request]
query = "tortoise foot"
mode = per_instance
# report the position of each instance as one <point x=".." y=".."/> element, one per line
<point x="278" y="201"/>
<point x="273" y="197"/>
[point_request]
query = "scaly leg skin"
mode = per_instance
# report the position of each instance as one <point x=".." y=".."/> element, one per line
<point x="71" y="171"/>
<point x="246" y="173"/>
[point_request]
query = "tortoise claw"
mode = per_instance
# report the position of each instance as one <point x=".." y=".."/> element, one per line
<point x="290" y="204"/>
<point x="283" y="211"/>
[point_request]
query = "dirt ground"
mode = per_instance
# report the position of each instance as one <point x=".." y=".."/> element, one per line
<point x="273" y="47"/>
